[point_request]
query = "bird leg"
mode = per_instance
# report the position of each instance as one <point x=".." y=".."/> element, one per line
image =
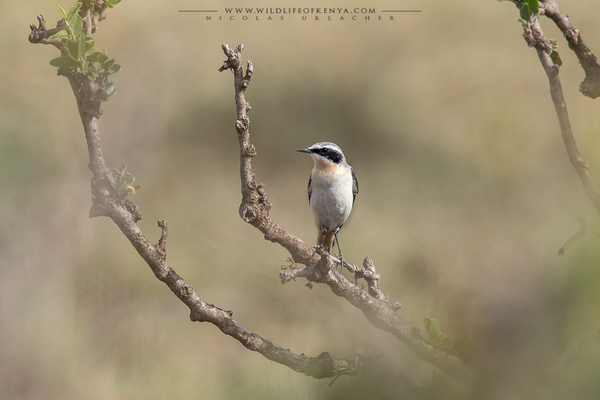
<point x="321" y="238"/>
<point x="339" y="250"/>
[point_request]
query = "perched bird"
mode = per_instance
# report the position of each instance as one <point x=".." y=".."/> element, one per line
<point x="332" y="188"/>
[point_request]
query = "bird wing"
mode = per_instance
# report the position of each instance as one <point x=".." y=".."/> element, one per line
<point x="354" y="186"/>
<point x="309" y="188"/>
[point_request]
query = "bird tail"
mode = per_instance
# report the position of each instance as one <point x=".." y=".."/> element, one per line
<point x="328" y="242"/>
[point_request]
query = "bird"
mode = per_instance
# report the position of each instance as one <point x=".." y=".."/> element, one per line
<point x="332" y="189"/>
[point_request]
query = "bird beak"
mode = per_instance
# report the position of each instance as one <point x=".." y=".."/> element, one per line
<point x="304" y="151"/>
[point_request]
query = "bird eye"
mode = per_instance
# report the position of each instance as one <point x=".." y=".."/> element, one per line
<point x="323" y="151"/>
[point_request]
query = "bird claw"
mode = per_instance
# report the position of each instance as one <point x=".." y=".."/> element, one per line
<point x="321" y="247"/>
<point x="337" y="259"/>
<point x="342" y="261"/>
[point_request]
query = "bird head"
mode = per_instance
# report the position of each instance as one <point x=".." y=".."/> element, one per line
<point x="326" y="152"/>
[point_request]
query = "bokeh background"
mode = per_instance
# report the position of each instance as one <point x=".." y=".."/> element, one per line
<point x="466" y="195"/>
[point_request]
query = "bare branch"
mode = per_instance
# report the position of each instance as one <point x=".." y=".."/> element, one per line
<point x="369" y="274"/>
<point x="162" y="242"/>
<point x="534" y="36"/>
<point x="591" y="85"/>
<point x="40" y="34"/>
<point x="254" y="209"/>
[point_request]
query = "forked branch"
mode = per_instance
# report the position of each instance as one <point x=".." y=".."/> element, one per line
<point x="534" y="36"/>
<point x="319" y="265"/>
<point x="591" y="84"/>
<point x="111" y="203"/>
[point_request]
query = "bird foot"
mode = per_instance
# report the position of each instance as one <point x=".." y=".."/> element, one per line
<point x="342" y="261"/>
<point x="322" y="248"/>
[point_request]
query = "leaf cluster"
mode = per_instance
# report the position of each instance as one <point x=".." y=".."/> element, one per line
<point x="79" y="53"/>
<point x="554" y="54"/>
<point x="122" y="181"/>
<point x="528" y="9"/>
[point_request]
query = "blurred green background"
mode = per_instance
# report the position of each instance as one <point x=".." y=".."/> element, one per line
<point x="466" y="196"/>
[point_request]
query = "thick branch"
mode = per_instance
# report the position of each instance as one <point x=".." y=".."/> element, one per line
<point x="106" y="202"/>
<point x="382" y="314"/>
<point x="254" y="209"/>
<point x="534" y="36"/>
<point x="591" y="84"/>
<point x="200" y="311"/>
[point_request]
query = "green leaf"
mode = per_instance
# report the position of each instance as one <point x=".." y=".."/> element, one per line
<point x="111" y="3"/>
<point x="129" y="179"/>
<point x="64" y="61"/>
<point x="109" y="89"/>
<point x="534" y="7"/>
<point x="60" y="34"/>
<point x="76" y="24"/>
<point x="427" y="323"/>
<point x="113" y="69"/>
<point x="81" y="44"/>
<point x="106" y="65"/>
<point x="89" y="43"/>
<point x="67" y="27"/>
<point x="86" y="1"/>
<point x="62" y="10"/>
<point x="113" y="180"/>
<point x="72" y="11"/>
<point x="433" y="328"/>
<point x="122" y="172"/>
<point x="102" y="57"/>
<point x="556" y="58"/>
<point x="89" y="53"/>
<point x="528" y="9"/>
<point x="93" y="57"/>
<point x="73" y="49"/>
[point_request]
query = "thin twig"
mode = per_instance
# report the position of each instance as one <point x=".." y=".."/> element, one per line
<point x="583" y="226"/>
<point x="39" y="34"/>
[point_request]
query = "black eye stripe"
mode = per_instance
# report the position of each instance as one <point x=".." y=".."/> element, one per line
<point x="330" y="154"/>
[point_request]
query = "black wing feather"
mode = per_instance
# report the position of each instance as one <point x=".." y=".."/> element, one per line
<point x="354" y="185"/>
